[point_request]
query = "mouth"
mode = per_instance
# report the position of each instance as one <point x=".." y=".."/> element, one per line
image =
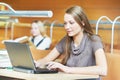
<point x="68" y="31"/>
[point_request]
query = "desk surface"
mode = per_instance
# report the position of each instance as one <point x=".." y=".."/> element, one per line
<point x="54" y="76"/>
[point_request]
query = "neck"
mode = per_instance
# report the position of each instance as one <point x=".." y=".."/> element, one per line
<point x="38" y="36"/>
<point x="77" y="39"/>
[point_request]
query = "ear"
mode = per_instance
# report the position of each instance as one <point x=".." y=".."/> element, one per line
<point x="83" y="23"/>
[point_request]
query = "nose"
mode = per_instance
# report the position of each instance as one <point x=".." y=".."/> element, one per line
<point x="67" y="26"/>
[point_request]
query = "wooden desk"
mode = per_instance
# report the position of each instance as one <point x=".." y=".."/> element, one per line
<point x="55" y="76"/>
<point x="25" y="76"/>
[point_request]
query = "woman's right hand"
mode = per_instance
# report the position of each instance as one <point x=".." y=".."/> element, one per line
<point x="58" y="66"/>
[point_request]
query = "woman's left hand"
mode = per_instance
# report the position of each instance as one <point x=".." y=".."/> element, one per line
<point x="59" y="66"/>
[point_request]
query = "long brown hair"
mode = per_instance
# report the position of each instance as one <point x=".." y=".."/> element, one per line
<point x="81" y="18"/>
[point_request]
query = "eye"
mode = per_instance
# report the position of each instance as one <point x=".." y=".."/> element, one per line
<point x="71" y="22"/>
<point x="65" y="23"/>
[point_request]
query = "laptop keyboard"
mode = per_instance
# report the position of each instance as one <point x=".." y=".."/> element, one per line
<point x="44" y="70"/>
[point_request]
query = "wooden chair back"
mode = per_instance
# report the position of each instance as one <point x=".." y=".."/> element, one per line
<point x="38" y="54"/>
<point x="113" y="61"/>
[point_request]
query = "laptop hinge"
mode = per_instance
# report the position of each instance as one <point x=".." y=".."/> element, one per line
<point x="23" y="70"/>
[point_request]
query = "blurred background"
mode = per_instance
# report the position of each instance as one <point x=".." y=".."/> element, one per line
<point x="94" y="10"/>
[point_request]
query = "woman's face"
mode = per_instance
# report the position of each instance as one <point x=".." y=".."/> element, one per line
<point x="71" y="26"/>
<point x="35" y="29"/>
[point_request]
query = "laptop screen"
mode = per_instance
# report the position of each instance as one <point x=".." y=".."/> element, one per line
<point x="20" y="55"/>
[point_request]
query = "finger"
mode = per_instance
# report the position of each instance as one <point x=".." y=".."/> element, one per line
<point x="49" y="66"/>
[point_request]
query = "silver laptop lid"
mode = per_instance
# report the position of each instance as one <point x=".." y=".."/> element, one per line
<point x="20" y="55"/>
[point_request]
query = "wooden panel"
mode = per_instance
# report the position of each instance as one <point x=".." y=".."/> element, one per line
<point x="58" y="33"/>
<point x="2" y="36"/>
<point x="21" y="29"/>
<point x="94" y="8"/>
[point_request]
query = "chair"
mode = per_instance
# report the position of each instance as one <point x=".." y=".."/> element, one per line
<point x="113" y="61"/>
<point x="38" y="54"/>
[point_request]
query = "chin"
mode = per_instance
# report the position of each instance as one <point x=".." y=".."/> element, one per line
<point x="70" y="35"/>
<point x="34" y="35"/>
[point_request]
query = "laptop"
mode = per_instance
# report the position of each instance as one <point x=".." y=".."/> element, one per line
<point x="22" y="60"/>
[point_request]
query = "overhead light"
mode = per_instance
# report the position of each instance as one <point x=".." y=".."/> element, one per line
<point x="20" y="13"/>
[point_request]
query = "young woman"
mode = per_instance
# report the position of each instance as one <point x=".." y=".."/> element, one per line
<point x="83" y="51"/>
<point x="39" y="37"/>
